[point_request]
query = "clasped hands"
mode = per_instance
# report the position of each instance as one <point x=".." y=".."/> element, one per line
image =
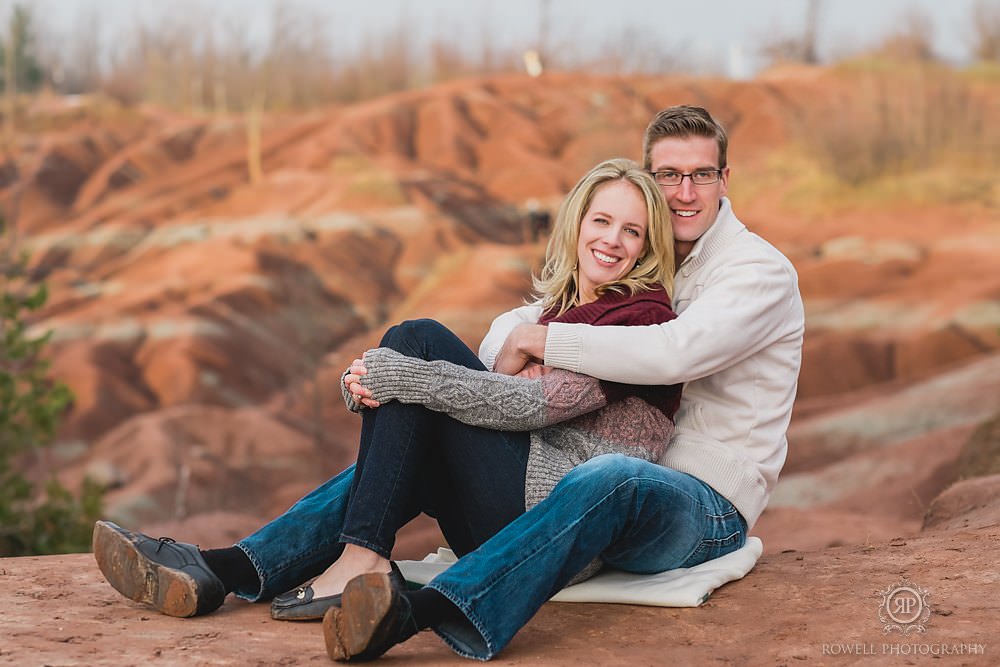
<point x="520" y="355"/>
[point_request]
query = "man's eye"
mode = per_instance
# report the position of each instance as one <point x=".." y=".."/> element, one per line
<point x="670" y="174"/>
<point x="706" y="173"/>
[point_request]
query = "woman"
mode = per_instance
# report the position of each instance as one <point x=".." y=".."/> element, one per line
<point x="609" y="261"/>
<point x="443" y="436"/>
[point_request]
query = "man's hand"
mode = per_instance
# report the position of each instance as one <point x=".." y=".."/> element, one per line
<point x="353" y="383"/>
<point x="526" y="343"/>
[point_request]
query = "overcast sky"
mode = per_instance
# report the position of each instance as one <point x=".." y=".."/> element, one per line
<point x="725" y="33"/>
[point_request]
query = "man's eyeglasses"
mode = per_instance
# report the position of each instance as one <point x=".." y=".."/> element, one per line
<point x="673" y="178"/>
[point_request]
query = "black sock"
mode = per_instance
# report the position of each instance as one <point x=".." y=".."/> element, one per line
<point x="232" y="566"/>
<point x="430" y="608"/>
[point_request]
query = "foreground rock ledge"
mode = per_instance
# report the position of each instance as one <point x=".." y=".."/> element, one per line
<point x="794" y="608"/>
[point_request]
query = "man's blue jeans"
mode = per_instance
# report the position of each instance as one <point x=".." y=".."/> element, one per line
<point x="637" y="516"/>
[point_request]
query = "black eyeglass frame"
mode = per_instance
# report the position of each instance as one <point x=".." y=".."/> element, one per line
<point x="717" y="175"/>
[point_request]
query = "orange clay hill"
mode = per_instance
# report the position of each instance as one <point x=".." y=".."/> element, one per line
<point x="203" y="321"/>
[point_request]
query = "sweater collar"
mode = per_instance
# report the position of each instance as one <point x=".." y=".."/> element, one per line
<point x="725" y="227"/>
<point x="589" y="313"/>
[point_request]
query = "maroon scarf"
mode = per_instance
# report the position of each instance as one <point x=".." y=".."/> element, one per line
<point x="616" y="309"/>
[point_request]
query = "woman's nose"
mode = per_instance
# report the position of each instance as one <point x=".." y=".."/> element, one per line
<point x="613" y="236"/>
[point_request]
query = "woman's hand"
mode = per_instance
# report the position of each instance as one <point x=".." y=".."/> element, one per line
<point x="526" y="343"/>
<point x="533" y="370"/>
<point x="353" y="383"/>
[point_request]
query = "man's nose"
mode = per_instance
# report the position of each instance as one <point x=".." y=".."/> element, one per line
<point x="686" y="190"/>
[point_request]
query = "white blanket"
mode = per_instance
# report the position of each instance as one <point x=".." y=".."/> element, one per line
<point x="683" y="587"/>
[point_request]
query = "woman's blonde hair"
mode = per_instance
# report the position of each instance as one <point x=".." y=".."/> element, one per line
<point x="558" y="284"/>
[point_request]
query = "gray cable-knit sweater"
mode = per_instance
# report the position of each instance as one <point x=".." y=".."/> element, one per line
<point x="569" y="415"/>
<point x="572" y="417"/>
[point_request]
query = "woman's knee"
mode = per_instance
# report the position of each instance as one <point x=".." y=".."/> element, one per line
<point x="410" y="336"/>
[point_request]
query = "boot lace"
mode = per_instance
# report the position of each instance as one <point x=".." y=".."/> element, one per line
<point x="162" y="541"/>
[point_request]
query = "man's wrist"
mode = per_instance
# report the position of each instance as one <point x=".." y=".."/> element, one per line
<point x="531" y="341"/>
<point x="562" y="346"/>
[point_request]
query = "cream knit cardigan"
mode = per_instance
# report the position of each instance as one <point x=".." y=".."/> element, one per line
<point x="736" y="344"/>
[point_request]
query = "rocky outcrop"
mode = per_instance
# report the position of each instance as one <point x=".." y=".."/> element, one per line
<point x="981" y="455"/>
<point x="183" y="293"/>
<point x="971" y="503"/>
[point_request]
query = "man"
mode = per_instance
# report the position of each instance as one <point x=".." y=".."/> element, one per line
<point x="736" y="344"/>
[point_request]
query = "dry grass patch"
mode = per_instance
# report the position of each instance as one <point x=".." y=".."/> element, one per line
<point x="886" y="132"/>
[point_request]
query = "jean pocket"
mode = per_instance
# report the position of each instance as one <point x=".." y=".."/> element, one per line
<point x="711" y="548"/>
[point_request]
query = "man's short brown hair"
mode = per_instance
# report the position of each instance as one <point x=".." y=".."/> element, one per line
<point x="684" y="121"/>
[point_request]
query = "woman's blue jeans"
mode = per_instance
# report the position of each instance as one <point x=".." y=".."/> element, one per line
<point x="410" y="460"/>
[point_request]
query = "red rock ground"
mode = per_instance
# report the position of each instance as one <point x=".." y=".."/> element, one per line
<point x="794" y="608"/>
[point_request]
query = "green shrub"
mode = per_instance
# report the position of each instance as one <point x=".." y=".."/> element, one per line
<point x="31" y="405"/>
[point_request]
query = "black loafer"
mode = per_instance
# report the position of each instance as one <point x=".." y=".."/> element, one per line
<point x="301" y="604"/>
<point x="170" y="576"/>
<point x="375" y="616"/>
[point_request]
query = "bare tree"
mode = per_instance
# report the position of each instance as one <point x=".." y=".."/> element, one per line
<point x="810" y="52"/>
<point x="637" y="50"/>
<point x="10" y="86"/>
<point x="985" y="24"/>
<point x="73" y="62"/>
<point x="544" y="51"/>
<point x="914" y="40"/>
<point x="796" y="48"/>
<point x="21" y="70"/>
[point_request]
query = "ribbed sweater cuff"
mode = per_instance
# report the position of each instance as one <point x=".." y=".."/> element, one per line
<point x="562" y="346"/>
<point x="392" y="375"/>
<point x="352" y="405"/>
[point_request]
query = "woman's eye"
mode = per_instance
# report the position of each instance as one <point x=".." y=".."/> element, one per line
<point x="633" y="232"/>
